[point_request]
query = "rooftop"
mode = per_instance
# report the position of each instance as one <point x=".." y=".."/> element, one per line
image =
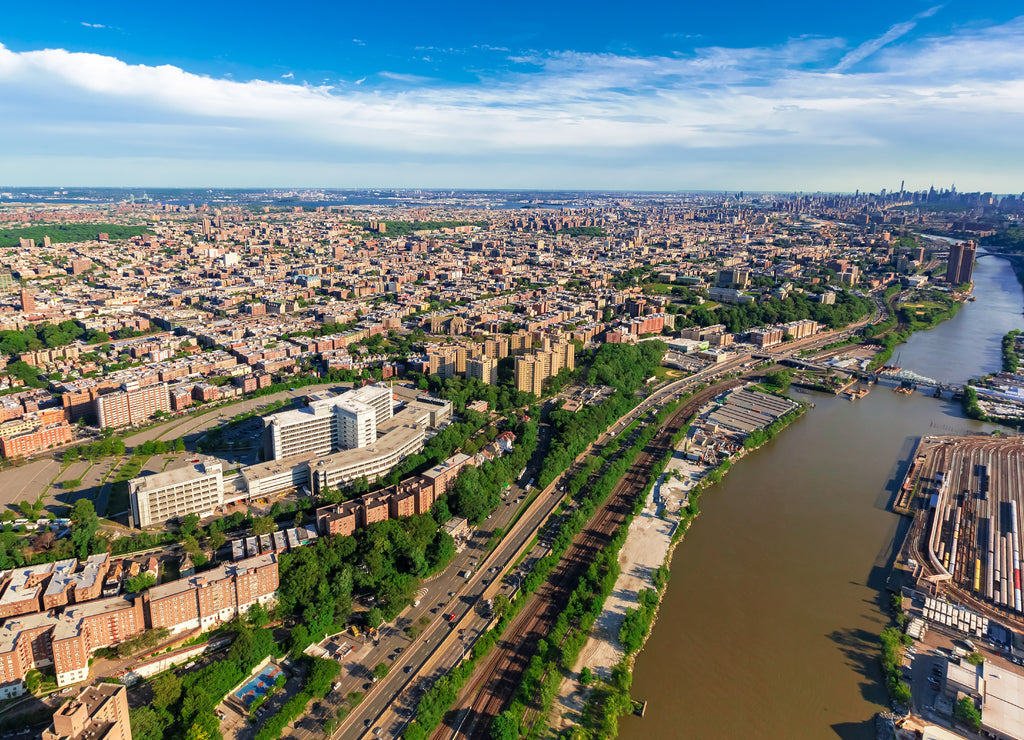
<point x="195" y="469"/>
<point x="217" y="574"/>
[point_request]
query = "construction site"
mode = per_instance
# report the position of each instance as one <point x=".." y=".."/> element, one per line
<point x="966" y="494"/>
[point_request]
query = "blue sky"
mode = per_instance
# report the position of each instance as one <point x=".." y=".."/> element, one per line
<point x="655" y="96"/>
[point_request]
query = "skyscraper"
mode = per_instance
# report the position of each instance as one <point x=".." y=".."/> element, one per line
<point x="960" y="265"/>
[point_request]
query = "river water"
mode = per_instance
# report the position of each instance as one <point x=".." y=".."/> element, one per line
<point x="769" y="627"/>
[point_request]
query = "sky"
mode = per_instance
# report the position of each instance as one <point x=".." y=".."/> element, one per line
<point x="740" y="95"/>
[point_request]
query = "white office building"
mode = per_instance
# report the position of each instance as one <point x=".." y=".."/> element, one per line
<point x="348" y="421"/>
<point x="196" y="488"/>
<point x="357" y="424"/>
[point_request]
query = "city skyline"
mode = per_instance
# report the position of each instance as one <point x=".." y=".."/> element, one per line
<point x="670" y="99"/>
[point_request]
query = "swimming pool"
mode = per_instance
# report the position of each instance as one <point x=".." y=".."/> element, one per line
<point x="260" y="684"/>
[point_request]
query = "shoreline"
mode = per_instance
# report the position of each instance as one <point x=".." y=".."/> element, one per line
<point x="593" y="695"/>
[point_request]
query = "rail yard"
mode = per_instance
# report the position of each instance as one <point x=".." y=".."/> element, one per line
<point x="969" y="493"/>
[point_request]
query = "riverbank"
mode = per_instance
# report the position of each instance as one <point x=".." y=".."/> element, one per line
<point x="909" y="318"/>
<point x="630" y="612"/>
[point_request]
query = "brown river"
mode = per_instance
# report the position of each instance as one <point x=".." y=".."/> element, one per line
<point x="769" y="628"/>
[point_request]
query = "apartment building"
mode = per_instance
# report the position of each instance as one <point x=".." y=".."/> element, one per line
<point x="64" y="641"/>
<point x="801" y="329"/>
<point x="484" y="369"/>
<point x="196" y="488"/>
<point x="71" y="584"/>
<point x="530" y="374"/>
<point x="24" y="588"/>
<point x="533" y="369"/>
<point x="412" y="496"/>
<point x="213" y="597"/>
<point x="132" y="406"/>
<point x="99" y="713"/>
<point x="39" y="438"/>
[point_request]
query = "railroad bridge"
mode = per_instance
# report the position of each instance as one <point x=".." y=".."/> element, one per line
<point x="909" y="376"/>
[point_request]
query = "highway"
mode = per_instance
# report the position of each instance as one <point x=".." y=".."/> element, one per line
<point x="415" y="665"/>
<point x="391" y="702"/>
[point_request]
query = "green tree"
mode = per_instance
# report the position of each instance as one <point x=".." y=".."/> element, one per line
<point x="145" y="724"/>
<point x="778" y="379"/>
<point x="966" y="712"/>
<point x="138" y="583"/>
<point x="32" y="680"/>
<point x="166" y="690"/>
<point x="197" y="732"/>
<point x="217" y="539"/>
<point x="500" y="605"/>
<point x="374" y="617"/>
<point x="257" y="615"/>
<point x="189" y="525"/>
<point x="84" y="525"/>
<point x="505" y="726"/>
<point x="179" y="445"/>
<point x="380" y="670"/>
<point x="263" y="525"/>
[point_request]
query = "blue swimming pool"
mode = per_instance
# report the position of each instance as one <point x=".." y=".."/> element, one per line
<point x="260" y="684"/>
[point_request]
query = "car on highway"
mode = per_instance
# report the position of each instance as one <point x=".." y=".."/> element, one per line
<point x="450" y="617"/>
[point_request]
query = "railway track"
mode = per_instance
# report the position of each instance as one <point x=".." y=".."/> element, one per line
<point x="495" y="682"/>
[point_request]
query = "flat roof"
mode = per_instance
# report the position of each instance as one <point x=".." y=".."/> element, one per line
<point x="322" y="409"/>
<point x="394" y="439"/>
<point x="934" y="732"/>
<point x="61" y="579"/>
<point x="1003" y="709"/>
<point x="66" y="625"/>
<point x="217" y="574"/>
<point x="195" y="470"/>
<point x="17" y="590"/>
<point x="445" y="465"/>
<point x="276" y="467"/>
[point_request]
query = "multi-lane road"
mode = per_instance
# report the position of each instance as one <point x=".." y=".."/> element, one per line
<point x="391" y="702"/>
<point x="455" y="605"/>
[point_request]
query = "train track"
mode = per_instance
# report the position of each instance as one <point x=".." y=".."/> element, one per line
<point x="495" y="682"/>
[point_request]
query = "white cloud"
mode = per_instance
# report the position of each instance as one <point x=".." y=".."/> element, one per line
<point x="871" y="46"/>
<point x="288" y="76"/>
<point x="93" y="25"/>
<point x="750" y="113"/>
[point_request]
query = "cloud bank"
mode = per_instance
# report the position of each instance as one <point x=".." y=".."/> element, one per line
<point x="808" y="114"/>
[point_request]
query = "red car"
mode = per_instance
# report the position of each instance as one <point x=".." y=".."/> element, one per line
<point x="450" y="617"/>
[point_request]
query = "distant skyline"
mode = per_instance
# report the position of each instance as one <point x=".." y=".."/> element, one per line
<point x="729" y="96"/>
